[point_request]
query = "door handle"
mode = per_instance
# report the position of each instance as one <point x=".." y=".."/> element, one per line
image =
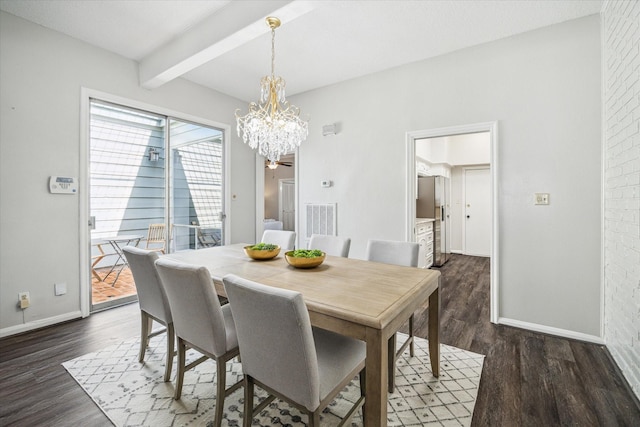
<point x="468" y="216"/>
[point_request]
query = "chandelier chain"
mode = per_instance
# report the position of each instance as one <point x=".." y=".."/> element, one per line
<point x="273" y="52"/>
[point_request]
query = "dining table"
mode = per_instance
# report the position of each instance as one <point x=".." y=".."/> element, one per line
<point x="365" y="300"/>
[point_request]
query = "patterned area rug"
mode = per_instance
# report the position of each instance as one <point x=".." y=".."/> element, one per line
<point x="133" y="394"/>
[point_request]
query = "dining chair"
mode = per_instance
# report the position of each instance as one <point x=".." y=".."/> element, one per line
<point x="331" y="245"/>
<point x="153" y="302"/>
<point x="285" y="239"/>
<point x="201" y="323"/>
<point x="282" y="354"/>
<point x="96" y="258"/>
<point x="156" y="238"/>
<point x="399" y="253"/>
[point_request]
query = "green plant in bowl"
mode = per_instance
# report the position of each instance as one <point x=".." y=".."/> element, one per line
<point x="305" y="258"/>
<point x="306" y="253"/>
<point x="262" y="251"/>
<point x="264" y="247"/>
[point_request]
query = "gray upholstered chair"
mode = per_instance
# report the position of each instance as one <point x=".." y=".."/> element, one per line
<point x="399" y="253"/>
<point x="284" y="355"/>
<point x="152" y="300"/>
<point x="331" y="245"/>
<point x="201" y="323"/>
<point x="285" y="239"/>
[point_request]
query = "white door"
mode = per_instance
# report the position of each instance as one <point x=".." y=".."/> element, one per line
<point x="287" y="204"/>
<point x="477" y="212"/>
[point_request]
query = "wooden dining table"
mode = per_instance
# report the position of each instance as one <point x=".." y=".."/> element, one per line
<point x="365" y="300"/>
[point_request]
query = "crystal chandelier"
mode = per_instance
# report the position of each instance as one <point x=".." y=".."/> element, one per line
<point x="272" y="125"/>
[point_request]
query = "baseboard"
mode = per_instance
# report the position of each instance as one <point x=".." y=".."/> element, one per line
<point x="565" y="333"/>
<point x="25" y="327"/>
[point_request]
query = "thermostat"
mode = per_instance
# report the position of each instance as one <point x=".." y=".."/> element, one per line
<point x="63" y="185"/>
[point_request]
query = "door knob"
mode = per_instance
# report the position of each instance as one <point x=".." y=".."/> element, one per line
<point x="468" y="216"/>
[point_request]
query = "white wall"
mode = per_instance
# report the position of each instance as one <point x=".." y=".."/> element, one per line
<point x="42" y="73"/>
<point x="544" y="89"/>
<point x="621" y="62"/>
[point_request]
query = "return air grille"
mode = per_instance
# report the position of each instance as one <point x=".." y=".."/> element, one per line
<point x="321" y="219"/>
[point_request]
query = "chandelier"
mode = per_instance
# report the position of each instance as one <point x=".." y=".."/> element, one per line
<point x="273" y="126"/>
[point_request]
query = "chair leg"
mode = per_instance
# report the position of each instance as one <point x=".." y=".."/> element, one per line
<point x="411" y="352"/>
<point x="391" y="362"/>
<point x="145" y="330"/>
<point x="363" y="386"/>
<point x="171" y="336"/>
<point x="220" y="390"/>
<point x="181" y="365"/>
<point x="314" y="418"/>
<point x="248" y="401"/>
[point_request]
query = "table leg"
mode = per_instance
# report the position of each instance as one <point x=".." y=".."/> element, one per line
<point x="434" y="331"/>
<point x="375" y="403"/>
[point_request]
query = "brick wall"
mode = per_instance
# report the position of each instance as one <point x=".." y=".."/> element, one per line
<point x="621" y="108"/>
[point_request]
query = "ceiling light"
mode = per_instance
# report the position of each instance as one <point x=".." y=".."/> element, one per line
<point x="273" y="126"/>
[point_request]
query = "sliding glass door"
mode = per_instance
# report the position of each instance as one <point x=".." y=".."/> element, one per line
<point x="156" y="182"/>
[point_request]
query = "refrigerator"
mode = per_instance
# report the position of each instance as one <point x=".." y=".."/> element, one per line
<point x="432" y="202"/>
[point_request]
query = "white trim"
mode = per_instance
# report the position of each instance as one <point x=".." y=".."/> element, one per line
<point x="410" y="188"/>
<point x="85" y="95"/>
<point x="41" y="323"/>
<point x="84" y="235"/>
<point x="551" y="330"/>
<point x="259" y="197"/>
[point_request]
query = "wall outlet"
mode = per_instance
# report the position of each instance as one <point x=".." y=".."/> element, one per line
<point x="24" y="300"/>
<point x="60" y="288"/>
<point x="541" y="198"/>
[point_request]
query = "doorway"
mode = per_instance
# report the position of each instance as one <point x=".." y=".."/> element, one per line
<point x="156" y="182"/>
<point x="439" y="164"/>
<point x="276" y="194"/>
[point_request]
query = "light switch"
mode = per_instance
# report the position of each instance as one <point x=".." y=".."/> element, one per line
<point x="60" y="288"/>
<point x="541" y="198"/>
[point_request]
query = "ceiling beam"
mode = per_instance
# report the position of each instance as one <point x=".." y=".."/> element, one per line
<point x="234" y="25"/>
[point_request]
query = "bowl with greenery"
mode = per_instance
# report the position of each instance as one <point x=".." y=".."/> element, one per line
<point x="262" y="251"/>
<point x="305" y="258"/>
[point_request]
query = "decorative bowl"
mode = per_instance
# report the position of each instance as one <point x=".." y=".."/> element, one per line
<point x="261" y="254"/>
<point x="302" y="262"/>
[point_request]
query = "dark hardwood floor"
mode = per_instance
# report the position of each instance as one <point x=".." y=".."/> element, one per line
<point x="529" y="379"/>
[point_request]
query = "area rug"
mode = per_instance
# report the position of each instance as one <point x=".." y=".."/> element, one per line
<point x="134" y="394"/>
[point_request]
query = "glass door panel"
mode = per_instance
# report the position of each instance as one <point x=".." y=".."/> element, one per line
<point x="127" y="193"/>
<point x="196" y="186"/>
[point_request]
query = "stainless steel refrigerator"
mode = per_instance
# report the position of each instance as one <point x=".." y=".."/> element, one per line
<point x="432" y="202"/>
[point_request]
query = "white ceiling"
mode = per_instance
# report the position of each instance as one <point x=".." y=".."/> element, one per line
<point x="225" y="45"/>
